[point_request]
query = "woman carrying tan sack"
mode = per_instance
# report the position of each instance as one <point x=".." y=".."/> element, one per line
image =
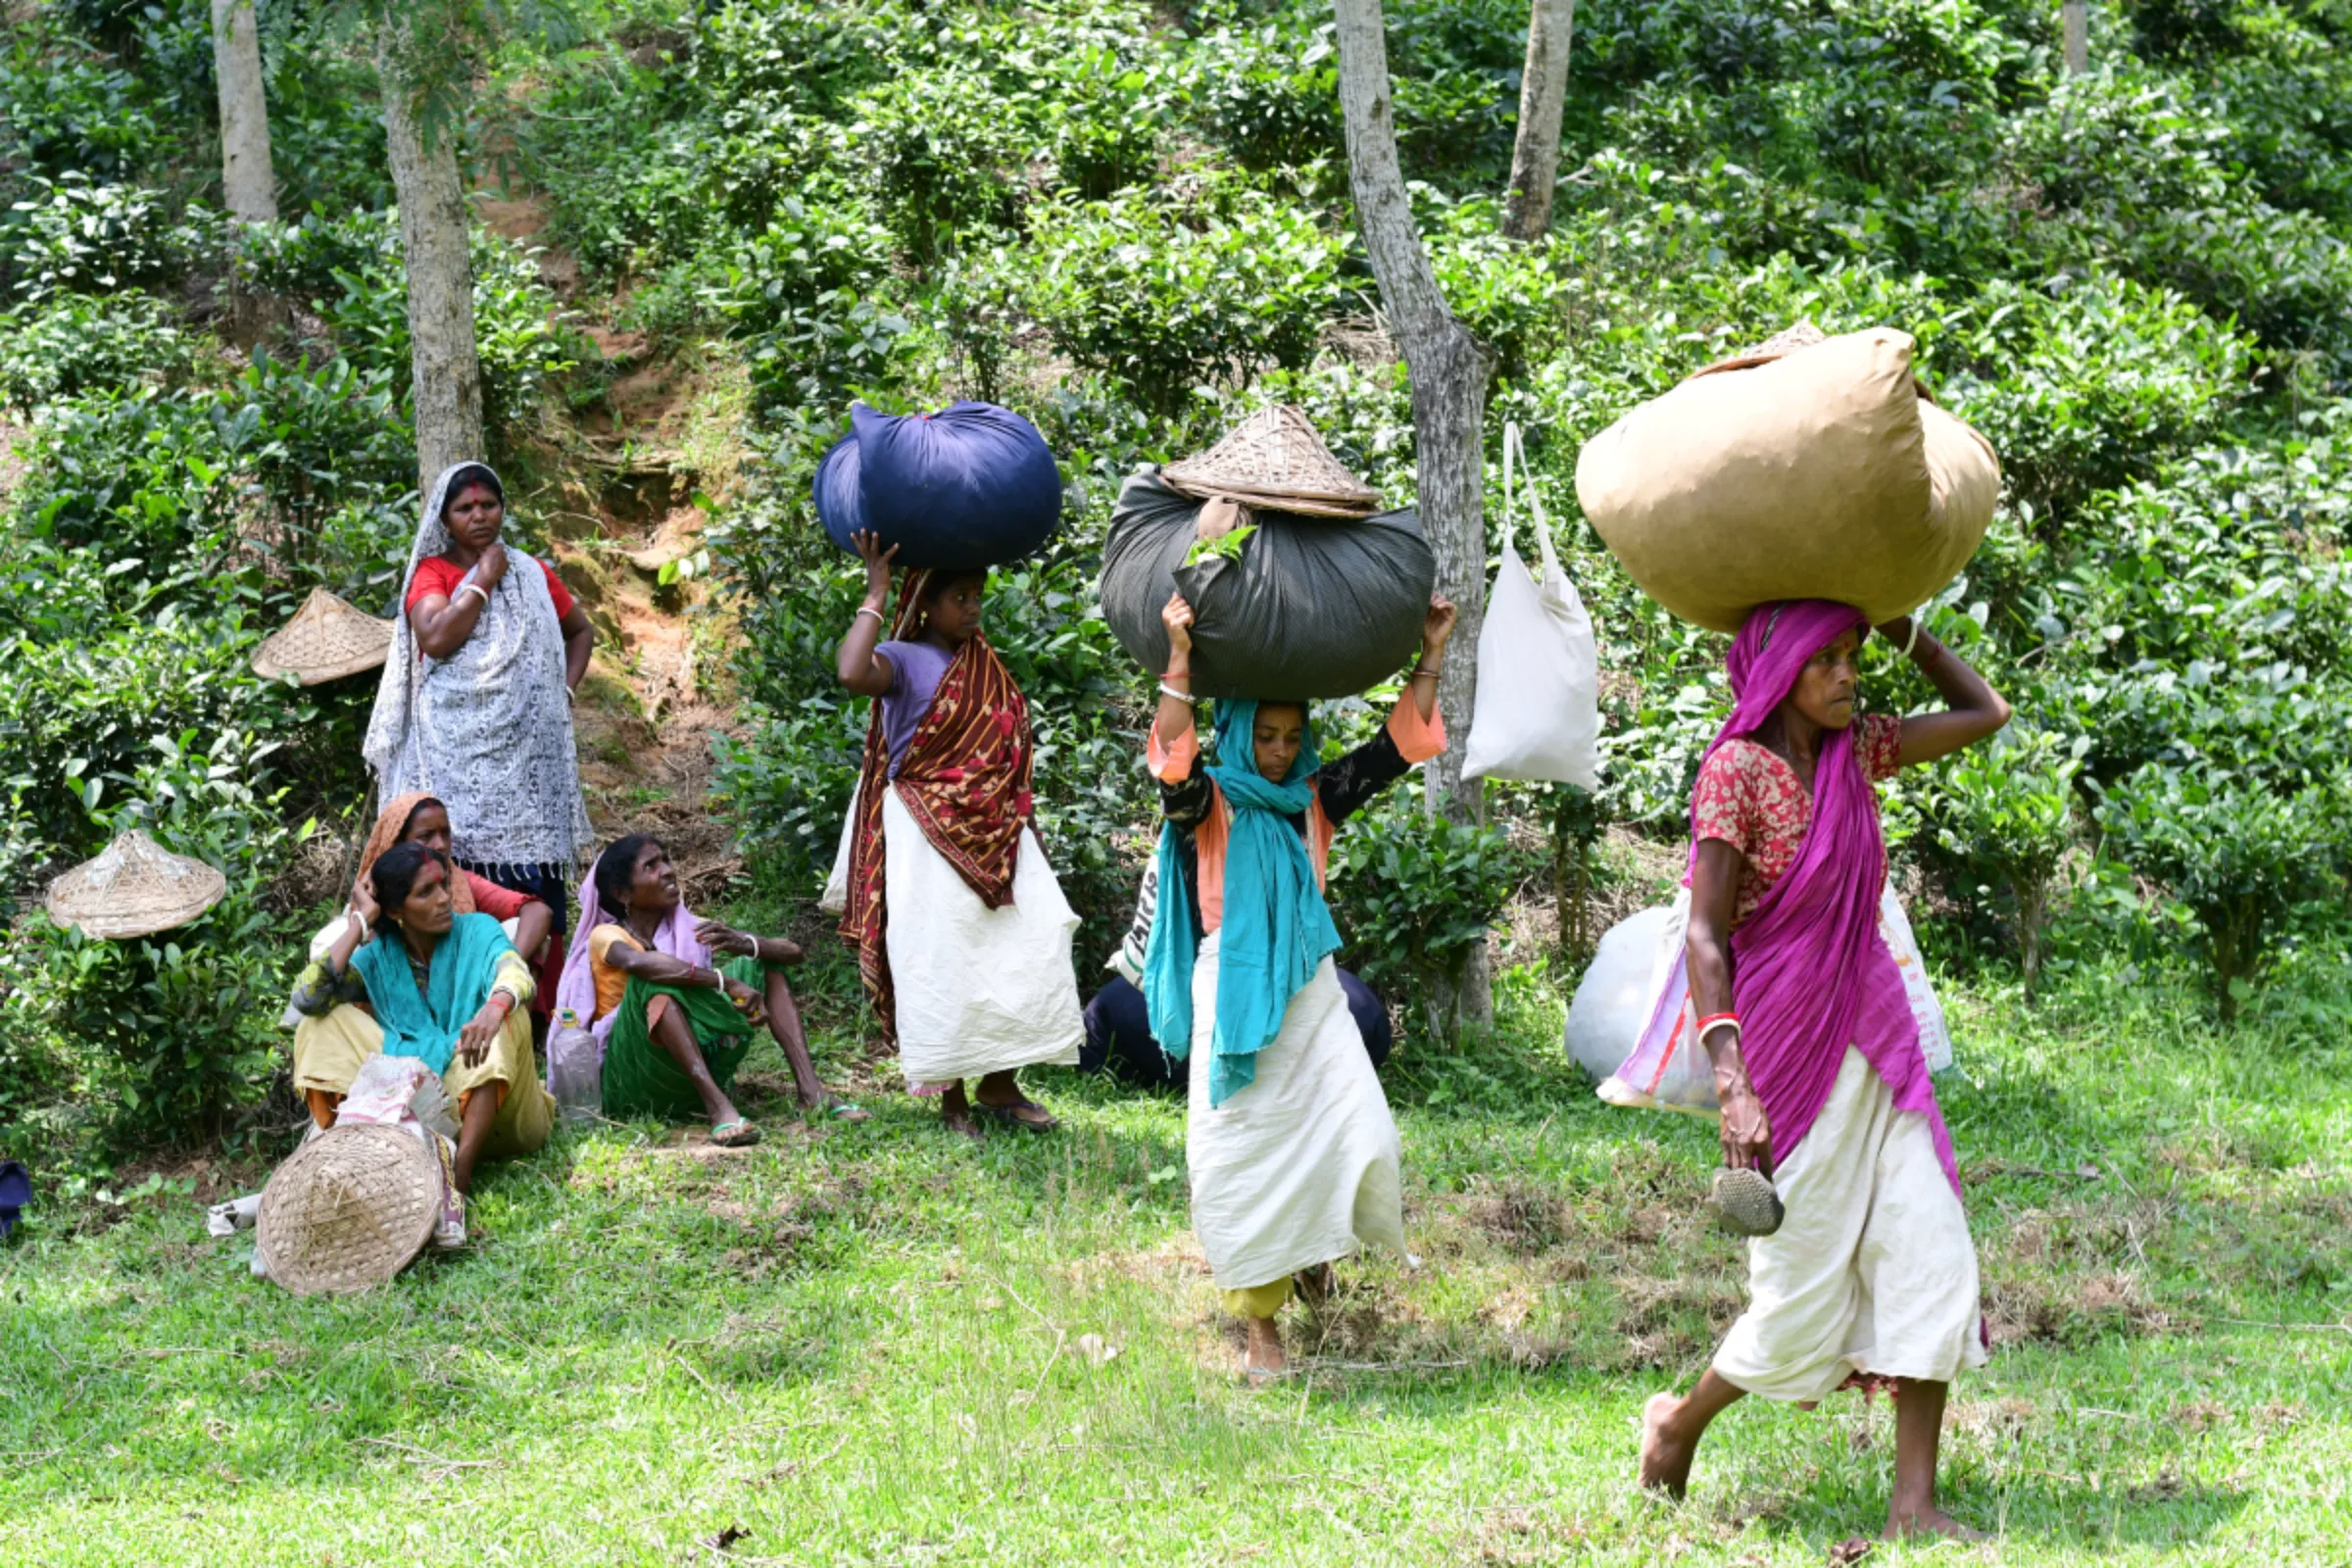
<point x="445" y="988"/>
<point x="1871" y="1278"/>
<point x="1293" y="1152"/>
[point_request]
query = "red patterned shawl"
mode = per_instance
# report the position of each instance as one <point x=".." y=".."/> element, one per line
<point x="965" y="782"/>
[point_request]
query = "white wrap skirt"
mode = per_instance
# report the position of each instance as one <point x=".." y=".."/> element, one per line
<point x="1872" y="1270"/>
<point x="1301" y="1166"/>
<point x="979" y="990"/>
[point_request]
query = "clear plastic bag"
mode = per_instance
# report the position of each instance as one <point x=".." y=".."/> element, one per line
<point x="1667" y="1069"/>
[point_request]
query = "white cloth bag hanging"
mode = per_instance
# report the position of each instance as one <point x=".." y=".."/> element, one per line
<point x="1538" y="716"/>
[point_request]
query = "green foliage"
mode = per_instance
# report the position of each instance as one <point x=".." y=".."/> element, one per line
<point x="184" y="1023"/>
<point x="2245" y="859"/>
<point x="76" y="342"/>
<point x="1168" y="300"/>
<point x="1415" y="894"/>
<point x="2004" y="814"/>
<point x="72" y="236"/>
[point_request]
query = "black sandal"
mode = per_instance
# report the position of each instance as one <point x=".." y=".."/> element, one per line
<point x="1009" y="1115"/>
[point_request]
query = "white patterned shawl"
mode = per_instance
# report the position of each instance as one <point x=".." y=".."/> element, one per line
<point x="486" y="732"/>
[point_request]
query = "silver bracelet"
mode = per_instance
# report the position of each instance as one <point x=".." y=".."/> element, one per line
<point x="476" y="589"/>
<point x="867" y="610"/>
<point x="1187" y="698"/>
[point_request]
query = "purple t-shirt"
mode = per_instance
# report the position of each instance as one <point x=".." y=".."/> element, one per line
<point x="915" y="672"/>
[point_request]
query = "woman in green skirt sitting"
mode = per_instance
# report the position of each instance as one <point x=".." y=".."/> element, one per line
<point x="674" y="1016"/>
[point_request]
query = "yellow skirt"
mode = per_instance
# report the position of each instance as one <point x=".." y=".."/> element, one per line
<point x="329" y="1053"/>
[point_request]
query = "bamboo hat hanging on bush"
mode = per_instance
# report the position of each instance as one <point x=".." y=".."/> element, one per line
<point x="1274" y="461"/>
<point x="327" y="639"/>
<point x="133" y="888"/>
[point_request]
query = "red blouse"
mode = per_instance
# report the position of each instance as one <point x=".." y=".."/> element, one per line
<point x="438" y="574"/>
<point x="1751" y="799"/>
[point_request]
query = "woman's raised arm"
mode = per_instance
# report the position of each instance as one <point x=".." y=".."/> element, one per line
<point x="1976" y="710"/>
<point x="855" y="664"/>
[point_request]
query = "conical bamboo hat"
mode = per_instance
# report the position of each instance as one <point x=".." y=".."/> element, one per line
<point x="327" y="639"/>
<point x="1274" y="459"/>
<point x="348" y="1210"/>
<point x="133" y="888"/>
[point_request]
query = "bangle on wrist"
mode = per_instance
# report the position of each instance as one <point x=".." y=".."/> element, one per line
<point x="867" y="610"/>
<point x="475" y="589"/>
<point x="1911" y="641"/>
<point x="1166" y="689"/>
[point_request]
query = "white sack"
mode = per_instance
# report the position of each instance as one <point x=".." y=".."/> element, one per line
<point x="1613" y="1001"/>
<point x="1538" y="714"/>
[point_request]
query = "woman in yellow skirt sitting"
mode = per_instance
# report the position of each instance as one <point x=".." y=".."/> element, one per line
<point x="448" y="989"/>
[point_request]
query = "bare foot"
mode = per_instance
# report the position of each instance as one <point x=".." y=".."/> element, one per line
<point x="1263" y="1362"/>
<point x="955" y="1112"/>
<point x="1665" y="1463"/>
<point x="1928" y="1520"/>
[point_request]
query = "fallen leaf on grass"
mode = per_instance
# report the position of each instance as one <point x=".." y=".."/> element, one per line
<point x="1852" y="1550"/>
<point x="727" y="1538"/>
<point x="1096" y="1350"/>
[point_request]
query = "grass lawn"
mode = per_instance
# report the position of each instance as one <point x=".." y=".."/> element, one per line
<point x="880" y="1345"/>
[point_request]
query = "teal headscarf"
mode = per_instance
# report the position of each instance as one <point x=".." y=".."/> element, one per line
<point x="464" y="965"/>
<point x="1277" y="928"/>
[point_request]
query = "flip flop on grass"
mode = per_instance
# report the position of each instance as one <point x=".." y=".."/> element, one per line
<point x="741" y="1133"/>
<point x="1009" y="1114"/>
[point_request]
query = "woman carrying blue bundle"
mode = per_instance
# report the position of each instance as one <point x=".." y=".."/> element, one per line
<point x="1293" y="1152"/>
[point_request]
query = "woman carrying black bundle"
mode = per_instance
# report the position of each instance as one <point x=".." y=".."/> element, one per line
<point x="1293" y="1152"/>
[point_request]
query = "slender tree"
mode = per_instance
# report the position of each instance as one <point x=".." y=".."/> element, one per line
<point x="1543" y="89"/>
<point x="248" y="181"/>
<point x="2073" y="17"/>
<point x="429" y="52"/>
<point x="1449" y="369"/>
<point x="446" y="371"/>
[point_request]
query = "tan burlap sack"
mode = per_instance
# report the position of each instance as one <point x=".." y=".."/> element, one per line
<point x="1819" y="474"/>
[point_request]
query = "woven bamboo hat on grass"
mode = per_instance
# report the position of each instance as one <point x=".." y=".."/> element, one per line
<point x="1274" y="459"/>
<point x="348" y="1210"/>
<point x="327" y="639"/>
<point x="135" y="888"/>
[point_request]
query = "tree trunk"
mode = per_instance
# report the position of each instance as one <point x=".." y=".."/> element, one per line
<point x="445" y="368"/>
<point x="248" y="184"/>
<point x="248" y="181"/>
<point x="2073" y="17"/>
<point x="1542" y="86"/>
<point x="1449" y="370"/>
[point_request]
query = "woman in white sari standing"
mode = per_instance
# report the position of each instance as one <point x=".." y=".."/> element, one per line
<point x="1293" y="1152"/>
<point x="476" y="704"/>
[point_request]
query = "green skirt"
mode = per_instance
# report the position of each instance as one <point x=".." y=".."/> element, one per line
<point x="640" y="1079"/>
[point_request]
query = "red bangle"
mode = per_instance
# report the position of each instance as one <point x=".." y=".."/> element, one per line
<point x="1714" y="1018"/>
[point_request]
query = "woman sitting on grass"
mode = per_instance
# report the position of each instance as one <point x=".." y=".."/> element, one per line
<point x="963" y="934"/>
<point x="1294" y="1154"/>
<point x="448" y="989"/>
<point x="420" y="819"/>
<point x="675" y="1021"/>
<point x="1871" y="1276"/>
